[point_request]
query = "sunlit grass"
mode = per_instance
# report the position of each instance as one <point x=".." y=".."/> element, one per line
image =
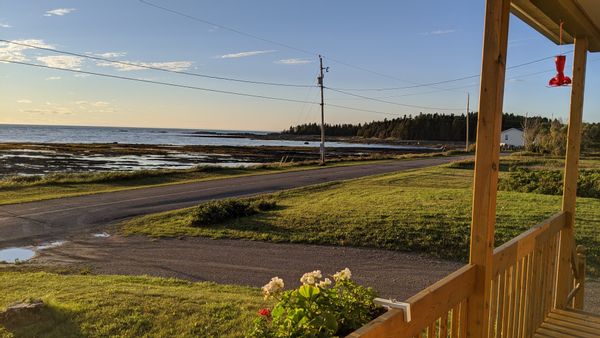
<point x="122" y="306"/>
<point x="425" y="210"/>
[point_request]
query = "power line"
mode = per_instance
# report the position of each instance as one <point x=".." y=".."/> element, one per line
<point x="415" y="84"/>
<point x="226" y="28"/>
<point x="390" y="102"/>
<point x="285" y="45"/>
<point x="159" y="82"/>
<point x="193" y="87"/>
<point x="429" y="84"/>
<point x="141" y="65"/>
<point x="364" y="110"/>
<point x="456" y="88"/>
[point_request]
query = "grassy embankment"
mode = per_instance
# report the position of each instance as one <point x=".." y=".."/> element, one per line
<point x="18" y="189"/>
<point x="423" y="210"/>
<point x="120" y="306"/>
<point x="426" y="210"/>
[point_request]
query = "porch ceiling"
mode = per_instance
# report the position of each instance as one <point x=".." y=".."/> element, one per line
<point x="580" y="18"/>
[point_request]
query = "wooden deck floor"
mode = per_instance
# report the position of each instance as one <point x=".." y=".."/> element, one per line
<point x="570" y="323"/>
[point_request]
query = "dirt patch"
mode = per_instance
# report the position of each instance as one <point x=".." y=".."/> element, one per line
<point x="393" y="274"/>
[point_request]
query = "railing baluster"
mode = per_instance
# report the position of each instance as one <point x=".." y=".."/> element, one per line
<point x="455" y="320"/>
<point x="508" y="302"/>
<point x="510" y="309"/>
<point x="531" y="295"/>
<point x="463" y="318"/>
<point x="444" y="326"/>
<point x="431" y="330"/>
<point x="501" y="297"/>
<point x="523" y="298"/>
<point x="493" y="305"/>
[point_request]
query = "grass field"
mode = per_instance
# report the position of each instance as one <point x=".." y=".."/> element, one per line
<point x="119" y="306"/>
<point x="425" y="210"/>
<point x="27" y="189"/>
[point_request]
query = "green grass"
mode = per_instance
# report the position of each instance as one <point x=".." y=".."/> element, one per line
<point x="121" y="306"/>
<point x="28" y="189"/>
<point x="425" y="210"/>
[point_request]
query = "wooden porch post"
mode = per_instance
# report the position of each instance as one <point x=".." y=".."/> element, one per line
<point x="567" y="238"/>
<point x="487" y="156"/>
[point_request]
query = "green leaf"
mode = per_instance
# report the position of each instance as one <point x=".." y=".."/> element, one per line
<point x="307" y="291"/>
<point x="330" y="322"/>
<point x="277" y="311"/>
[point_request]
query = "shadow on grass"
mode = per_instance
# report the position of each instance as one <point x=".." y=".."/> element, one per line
<point x="47" y="321"/>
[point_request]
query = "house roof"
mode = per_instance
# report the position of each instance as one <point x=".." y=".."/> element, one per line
<point x="517" y="129"/>
<point x="581" y="18"/>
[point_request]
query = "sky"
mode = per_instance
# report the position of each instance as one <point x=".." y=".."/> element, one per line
<point x="367" y="45"/>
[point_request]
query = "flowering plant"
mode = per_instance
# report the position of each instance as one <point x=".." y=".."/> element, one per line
<point x="318" y="308"/>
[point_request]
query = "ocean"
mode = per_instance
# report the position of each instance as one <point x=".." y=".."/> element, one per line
<point x="154" y="136"/>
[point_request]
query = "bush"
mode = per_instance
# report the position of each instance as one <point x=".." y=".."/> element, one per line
<point x="550" y="182"/>
<point x="214" y="212"/>
<point x="318" y="308"/>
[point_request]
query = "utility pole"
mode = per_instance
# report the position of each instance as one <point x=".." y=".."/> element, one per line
<point x="320" y="82"/>
<point x="525" y="131"/>
<point x="467" y="142"/>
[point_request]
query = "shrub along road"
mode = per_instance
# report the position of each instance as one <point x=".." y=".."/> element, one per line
<point x="58" y="219"/>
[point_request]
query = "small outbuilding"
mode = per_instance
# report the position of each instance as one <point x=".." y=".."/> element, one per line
<point x="512" y="137"/>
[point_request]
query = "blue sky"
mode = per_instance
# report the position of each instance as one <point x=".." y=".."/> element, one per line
<point x="410" y="42"/>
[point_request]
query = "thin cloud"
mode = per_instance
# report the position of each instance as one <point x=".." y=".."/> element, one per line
<point x="111" y="54"/>
<point x="169" y="65"/>
<point x="4" y="25"/>
<point x="13" y="52"/>
<point x="61" y="61"/>
<point x="100" y="104"/>
<point x="53" y="78"/>
<point x="48" y="111"/>
<point x="24" y="101"/>
<point x="293" y="61"/>
<point x="85" y="106"/>
<point x="440" y="32"/>
<point x="245" y="54"/>
<point x="59" y="12"/>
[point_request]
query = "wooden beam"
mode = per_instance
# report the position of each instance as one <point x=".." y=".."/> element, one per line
<point x="567" y="239"/>
<point x="487" y="157"/>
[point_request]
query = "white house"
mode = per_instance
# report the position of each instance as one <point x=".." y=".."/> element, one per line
<point x="512" y="137"/>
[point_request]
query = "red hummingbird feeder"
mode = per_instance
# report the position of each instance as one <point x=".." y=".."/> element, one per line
<point x="560" y="79"/>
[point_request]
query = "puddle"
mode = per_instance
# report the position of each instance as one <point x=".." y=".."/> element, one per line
<point x="101" y="235"/>
<point x="23" y="254"/>
<point x="14" y="255"/>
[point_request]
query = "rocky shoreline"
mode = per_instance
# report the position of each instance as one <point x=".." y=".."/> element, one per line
<point x="44" y="158"/>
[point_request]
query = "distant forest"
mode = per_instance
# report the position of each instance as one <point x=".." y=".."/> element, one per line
<point x="431" y="127"/>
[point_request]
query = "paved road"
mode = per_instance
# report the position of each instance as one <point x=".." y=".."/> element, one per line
<point x="31" y="223"/>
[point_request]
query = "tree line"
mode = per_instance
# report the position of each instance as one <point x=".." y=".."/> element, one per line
<point x="430" y="127"/>
<point x="542" y="135"/>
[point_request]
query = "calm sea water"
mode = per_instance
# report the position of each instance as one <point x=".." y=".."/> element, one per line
<point x="77" y="134"/>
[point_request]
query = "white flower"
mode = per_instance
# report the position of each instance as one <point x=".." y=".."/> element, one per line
<point x="324" y="283"/>
<point x="343" y="275"/>
<point x="311" y="278"/>
<point x="273" y="287"/>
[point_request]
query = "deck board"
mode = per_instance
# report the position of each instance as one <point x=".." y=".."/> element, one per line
<point x="569" y="323"/>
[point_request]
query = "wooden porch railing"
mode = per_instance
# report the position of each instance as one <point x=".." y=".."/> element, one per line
<point x="523" y="292"/>
<point x="523" y="286"/>
<point x="438" y="311"/>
